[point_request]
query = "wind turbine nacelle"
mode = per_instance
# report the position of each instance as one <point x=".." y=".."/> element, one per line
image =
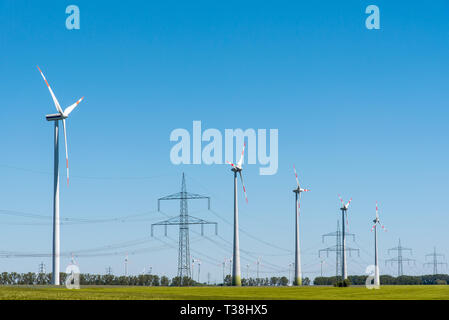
<point x="55" y="117"/>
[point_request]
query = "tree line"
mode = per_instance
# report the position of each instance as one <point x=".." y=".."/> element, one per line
<point x="273" y="281"/>
<point x="30" y="278"/>
<point x="387" y="280"/>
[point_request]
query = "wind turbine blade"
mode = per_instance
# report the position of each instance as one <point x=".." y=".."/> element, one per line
<point x="243" y="184"/>
<point x="231" y="163"/>
<point x="66" y="150"/>
<point x="341" y="200"/>
<point x="296" y="176"/>
<point x="347" y="220"/>
<point x="377" y="211"/>
<point x="69" y="109"/>
<point x="373" y="227"/>
<point x="58" y="107"/>
<point x="349" y="202"/>
<point x="239" y="164"/>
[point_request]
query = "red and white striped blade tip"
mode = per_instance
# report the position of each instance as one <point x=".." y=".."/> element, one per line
<point x="296" y="176"/>
<point x="349" y="202"/>
<point x="230" y="163"/>
<point x="244" y="191"/>
<point x="243" y="185"/>
<point x="67" y="162"/>
<point x="341" y="200"/>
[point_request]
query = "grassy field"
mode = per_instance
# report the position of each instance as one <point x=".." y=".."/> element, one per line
<point x="433" y="292"/>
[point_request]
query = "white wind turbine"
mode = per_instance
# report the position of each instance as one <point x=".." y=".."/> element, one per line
<point x="344" y="208"/>
<point x="61" y="115"/>
<point x="237" y="168"/>
<point x="297" y="191"/>
<point x="199" y="269"/>
<point x="376" y="270"/>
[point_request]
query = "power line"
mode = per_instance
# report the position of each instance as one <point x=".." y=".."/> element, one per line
<point x="85" y="177"/>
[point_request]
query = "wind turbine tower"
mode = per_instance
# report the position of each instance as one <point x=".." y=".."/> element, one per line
<point x="344" y="211"/>
<point x="297" y="191"/>
<point x="237" y="168"/>
<point x="376" y="257"/>
<point x="61" y="115"/>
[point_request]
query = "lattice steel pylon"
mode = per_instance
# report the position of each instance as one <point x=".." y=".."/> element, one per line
<point x="183" y="220"/>
<point x="435" y="263"/>
<point x="400" y="259"/>
<point x="338" y="249"/>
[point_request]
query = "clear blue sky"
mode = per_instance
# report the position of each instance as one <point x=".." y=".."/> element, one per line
<point x="361" y="113"/>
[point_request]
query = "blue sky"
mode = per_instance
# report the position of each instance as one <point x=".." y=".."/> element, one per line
<point x="361" y="113"/>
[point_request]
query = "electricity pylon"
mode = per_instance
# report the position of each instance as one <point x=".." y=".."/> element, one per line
<point x="338" y="249"/>
<point x="183" y="221"/>
<point x="435" y="261"/>
<point x="400" y="259"/>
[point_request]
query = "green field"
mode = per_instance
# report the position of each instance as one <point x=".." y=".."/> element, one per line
<point x="434" y="292"/>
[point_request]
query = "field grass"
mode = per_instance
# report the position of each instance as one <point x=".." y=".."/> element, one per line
<point x="433" y="292"/>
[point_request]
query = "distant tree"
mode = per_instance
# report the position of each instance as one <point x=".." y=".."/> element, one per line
<point x="252" y="282"/>
<point x="305" y="281"/>
<point x="344" y="283"/>
<point x="283" y="281"/>
<point x="408" y="280"/>
<point x="155" y="281"/>
<point x="165" y="281"/>
<point x="358" y="280"/>
<point x="176" y="282"/>
<point x="228" y="280"/>
<point x="387" y="280"/>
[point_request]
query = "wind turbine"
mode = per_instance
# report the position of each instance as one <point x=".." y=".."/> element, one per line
<point x="344" y="209"/>
<point x="126" y="265"/>
<point x="376" y="262"/>
<point x="193" y="268"/>
<point x="61" y="115"/>
<point x="297" y="191"/>
<point x="237" y="168"/>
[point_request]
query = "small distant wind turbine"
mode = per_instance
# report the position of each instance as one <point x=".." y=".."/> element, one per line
<point x="376" y="262"/>
<point x="344" y="208"/>
<point x="297" y="191"/>
<point x="126" y="265"/>
<point x="199" y="269"/>
<point x="237" y="168"/>
<point x="61" y="115"/>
